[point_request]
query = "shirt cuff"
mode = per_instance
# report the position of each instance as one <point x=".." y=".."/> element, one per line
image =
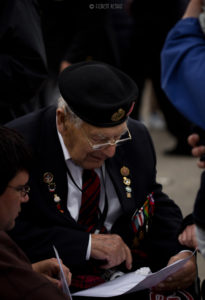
<point x="89" y="248"/>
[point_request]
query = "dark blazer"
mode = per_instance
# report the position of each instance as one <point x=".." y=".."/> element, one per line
<point x="41" y="225"/>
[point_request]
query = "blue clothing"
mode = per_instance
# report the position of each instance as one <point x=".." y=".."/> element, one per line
<point x="183" y="68"/>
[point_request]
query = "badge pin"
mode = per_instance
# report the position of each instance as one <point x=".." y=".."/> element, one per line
<point x="47" y="177"/>
<point x="124" y="171"/>
<point x="126" y="181"/>
<point x="118" y="115"/>
<point x="60" y="208"/>
<point x="57" y="198"/>
<point x="128" y="189"/>
<point x="52" y="187"/>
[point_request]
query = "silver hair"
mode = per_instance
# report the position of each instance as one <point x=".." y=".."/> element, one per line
<point x="72" y="116"/>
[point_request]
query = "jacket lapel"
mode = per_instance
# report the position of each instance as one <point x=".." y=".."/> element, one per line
<point x="52" y="160"/>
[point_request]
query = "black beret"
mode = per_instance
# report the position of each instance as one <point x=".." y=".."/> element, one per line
<point x="98" y="93"/>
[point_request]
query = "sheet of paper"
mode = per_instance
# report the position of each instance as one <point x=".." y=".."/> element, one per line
<point x="62" y="275"/>
<point x="132" y="282"/>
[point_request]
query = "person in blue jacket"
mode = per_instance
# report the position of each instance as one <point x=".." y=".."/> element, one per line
<point x="183" y="65"/>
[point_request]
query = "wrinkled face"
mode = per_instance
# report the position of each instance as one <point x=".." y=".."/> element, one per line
<point x="11" y="199"/>
<point x="79" y="141"/>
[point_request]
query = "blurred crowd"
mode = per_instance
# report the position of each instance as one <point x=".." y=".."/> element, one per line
<point x="128" y="34"/>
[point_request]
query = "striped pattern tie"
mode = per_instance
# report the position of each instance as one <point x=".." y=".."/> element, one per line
<point x="89" y="210"/>
<point x="89" y="218"/>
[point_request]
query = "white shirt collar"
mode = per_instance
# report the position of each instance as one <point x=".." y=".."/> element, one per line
<point x="66" y="154"/>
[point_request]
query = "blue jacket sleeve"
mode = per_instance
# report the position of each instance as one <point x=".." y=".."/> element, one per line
<point x="183" y="69"/>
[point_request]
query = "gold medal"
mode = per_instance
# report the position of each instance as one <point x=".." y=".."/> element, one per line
<point x="124" y="171"/>
<point x="126" y="181"/>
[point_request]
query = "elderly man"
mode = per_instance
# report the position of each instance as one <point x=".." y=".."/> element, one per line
<point x="183" y="65"/>
<point x="18" y="279"/>
<point x="93" y="188"/>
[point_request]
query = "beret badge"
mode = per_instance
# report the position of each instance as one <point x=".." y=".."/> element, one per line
<point x="118" y="115"/>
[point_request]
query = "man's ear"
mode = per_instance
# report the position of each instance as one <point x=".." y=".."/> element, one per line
<point x="61" y="119"/>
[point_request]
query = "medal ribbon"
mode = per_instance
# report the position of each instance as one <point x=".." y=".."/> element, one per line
<point x="142" y="215"/>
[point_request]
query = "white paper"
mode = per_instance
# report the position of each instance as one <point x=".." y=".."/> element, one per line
<point x="132" y="282"/>
<point x="65" y="286"/>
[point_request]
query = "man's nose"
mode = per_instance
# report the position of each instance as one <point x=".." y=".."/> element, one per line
<point x="109" y="151"/>
<point x="25" y="198"/>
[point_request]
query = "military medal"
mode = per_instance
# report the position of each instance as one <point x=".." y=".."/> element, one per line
<point x="127" y="181"/>
<point x="124" y="171"/>
<point x="48" y="179"/>
<point x="52" y="187"/>
<point x="60" y="208"/>
<point x="57" y="198"/>
<point x="129" y="195"/>
<point x="128" y="189"/>
<point x="142" y="216"/>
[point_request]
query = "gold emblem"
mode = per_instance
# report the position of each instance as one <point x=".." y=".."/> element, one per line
<point x="124" y="171"/>
<point x="129" y="195"/>
<point x="47" y="177"/>
<point x="126" y="181"/>
<point x="118" y="115"/>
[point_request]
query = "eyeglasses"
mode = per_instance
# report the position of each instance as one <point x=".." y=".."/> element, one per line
<point x="23" y="190"/>
<point x="113" y="142"/>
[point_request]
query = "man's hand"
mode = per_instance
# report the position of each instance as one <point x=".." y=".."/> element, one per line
<point x="197" y="151"/>
<point x="50" y="269"/>
<point x="110" y="247"/>
<point x="182" y="278"/>
<point x="188" y="236"/>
